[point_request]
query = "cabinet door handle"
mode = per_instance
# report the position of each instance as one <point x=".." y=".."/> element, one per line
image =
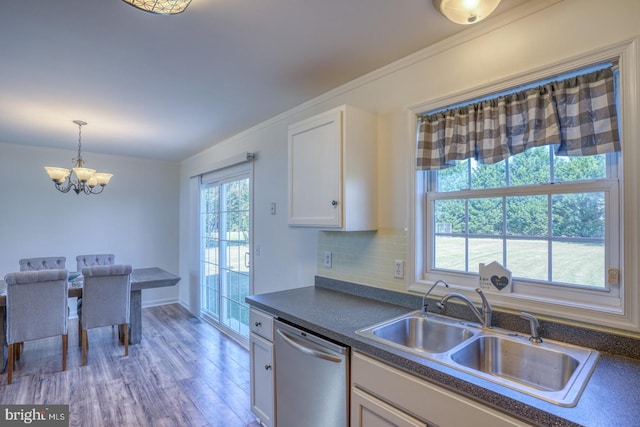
<point x="258" y="324"/>
<point x="267" y="367"/>
<point x="334" y="203"/>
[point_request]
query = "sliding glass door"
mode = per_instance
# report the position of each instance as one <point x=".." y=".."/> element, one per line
<point x="225" y="256"/>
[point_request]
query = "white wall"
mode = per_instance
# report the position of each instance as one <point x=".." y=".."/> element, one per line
<point x="135" y="218"/>
<point x="538" y="34"/>
<point x="287" y="256"/>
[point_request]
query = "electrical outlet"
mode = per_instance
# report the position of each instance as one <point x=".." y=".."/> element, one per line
<point x="327" y="259"/>
<point x="273" y="208"/>
<point x="398" y="269"/>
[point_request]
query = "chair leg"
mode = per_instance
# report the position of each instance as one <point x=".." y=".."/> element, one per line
<point x="79" y="331"/>
<point x="65" y="343"/>
<point x="10" y="357"/>
<point x="84" y="347"/>
<point x="18" y="348"/>
<point x="125" y="328"/>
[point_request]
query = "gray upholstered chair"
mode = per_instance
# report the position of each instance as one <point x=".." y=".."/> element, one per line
<point x="91" y="260"/>
<point x="106" y="297"/>
<point x="43" y="263"/>
<point x="36" y="309"/>
<point x="35" y="264"/>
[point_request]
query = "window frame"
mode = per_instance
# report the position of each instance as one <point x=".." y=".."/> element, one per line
<point x="617" y="309"/>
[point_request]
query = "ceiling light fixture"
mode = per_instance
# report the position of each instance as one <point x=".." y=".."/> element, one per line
<point x="466" y="12"/>
<point x="86" y="181"/>
<point x="160" y="7"/>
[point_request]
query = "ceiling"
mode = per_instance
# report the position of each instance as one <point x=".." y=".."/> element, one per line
<point x="167" y="87"/>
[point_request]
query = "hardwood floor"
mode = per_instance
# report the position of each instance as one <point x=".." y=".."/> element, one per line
<point x="183" y="373"/>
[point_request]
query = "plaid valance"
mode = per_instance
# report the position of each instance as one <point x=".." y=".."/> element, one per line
<point x="578" y="114"/>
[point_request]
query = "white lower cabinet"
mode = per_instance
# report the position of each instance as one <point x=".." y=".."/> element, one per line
<point x="368" y="411"/>
<point x="262" y="367"/>
<point x="385" y="396"/>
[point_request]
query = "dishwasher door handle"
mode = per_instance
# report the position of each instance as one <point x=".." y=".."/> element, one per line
<point x="306" y="350"/>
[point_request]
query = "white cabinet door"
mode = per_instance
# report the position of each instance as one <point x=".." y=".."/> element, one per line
<point x="367" y="411"/>
<point x="262" y="379"/>
<point x="333" y="171"/>
<point x="424" y="400"/>
<point x="315" y="165"/>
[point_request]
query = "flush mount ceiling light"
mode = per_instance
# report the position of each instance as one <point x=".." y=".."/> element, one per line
<point x="86" y="181"/>
<point x="161" y="7"/>
<point x="466" y="12"/>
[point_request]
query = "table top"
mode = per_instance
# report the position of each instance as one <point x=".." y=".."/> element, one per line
<point x="141" y="278"/>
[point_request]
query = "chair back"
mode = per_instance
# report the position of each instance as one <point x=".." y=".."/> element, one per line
<point x="36" y="304"/>
<point x="105" y="294"/>
<point x="91" y="260"/>
<point x="43" y="263"/>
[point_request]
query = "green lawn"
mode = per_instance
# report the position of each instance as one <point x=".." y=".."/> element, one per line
<point x="574" y="263"/>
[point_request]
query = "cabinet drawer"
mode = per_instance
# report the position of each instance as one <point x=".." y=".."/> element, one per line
<point x="261" y="323"/>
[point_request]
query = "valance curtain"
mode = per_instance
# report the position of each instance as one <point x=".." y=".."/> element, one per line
<point x="578" y="114"/>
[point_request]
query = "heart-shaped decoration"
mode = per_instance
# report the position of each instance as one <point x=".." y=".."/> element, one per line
<point x="499" y="282"/>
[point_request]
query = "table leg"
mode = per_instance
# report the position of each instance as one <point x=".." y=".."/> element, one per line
<point x="135" y="317"/>
<point x="3" y="345"/>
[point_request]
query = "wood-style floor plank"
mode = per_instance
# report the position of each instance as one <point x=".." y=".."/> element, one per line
<point x="184" y="373"/>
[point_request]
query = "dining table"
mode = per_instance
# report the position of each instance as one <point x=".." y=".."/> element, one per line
<point x="141" y="278"/>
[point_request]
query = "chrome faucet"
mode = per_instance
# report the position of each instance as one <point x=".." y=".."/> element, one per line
<point x="483" y="316"/>
<point x="424" y="297"/>
<point x="534" y="325"/>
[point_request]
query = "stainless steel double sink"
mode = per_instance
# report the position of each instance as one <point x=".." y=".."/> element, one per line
<point x="552" y="371"/>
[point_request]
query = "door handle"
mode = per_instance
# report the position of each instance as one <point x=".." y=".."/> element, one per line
<point x="247" y="259"/>
<point x="306" y="350"/>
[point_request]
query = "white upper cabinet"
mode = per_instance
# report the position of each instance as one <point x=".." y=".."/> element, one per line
<point x="333" y="171"/>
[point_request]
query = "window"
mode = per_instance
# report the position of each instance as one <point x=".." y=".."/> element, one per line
<point x="555" y="221"/>
<point x="509" y="212"/>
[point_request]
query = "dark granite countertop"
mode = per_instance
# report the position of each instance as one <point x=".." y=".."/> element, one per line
<point x="610" y="398"/>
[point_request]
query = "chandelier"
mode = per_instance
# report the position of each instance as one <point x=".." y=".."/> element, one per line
<point x="161" y="7"/>
<point x="86" y="181"/>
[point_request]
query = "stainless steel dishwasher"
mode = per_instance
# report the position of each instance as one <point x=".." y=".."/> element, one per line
<point x="312" y="382"/>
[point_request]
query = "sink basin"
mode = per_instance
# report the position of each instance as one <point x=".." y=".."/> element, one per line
<point x="530" y="365"/>
<point x="418" y="333"/>
<point x="554" y="371"/>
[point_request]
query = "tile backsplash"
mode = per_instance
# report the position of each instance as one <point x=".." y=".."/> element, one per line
<point x="364" y="257"/>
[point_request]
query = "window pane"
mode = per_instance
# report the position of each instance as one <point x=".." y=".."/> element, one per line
<point x="450" y="216"/>
<point x="527" y="216"/>
<point x="531" y="167"/>
<point x="488" y="176"/>
<point x="454" y="178"/>
<point x="578" y="215"/>
<point x="580" y="168"/>
<point x="528" y="258"/>
<point x="579" y="263"/>
<point x="449" y="253"/>
<point x="485" y="216"/>
<point x="484" y="251"/>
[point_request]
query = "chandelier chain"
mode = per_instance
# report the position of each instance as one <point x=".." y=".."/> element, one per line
<point x="78" y="160"/>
